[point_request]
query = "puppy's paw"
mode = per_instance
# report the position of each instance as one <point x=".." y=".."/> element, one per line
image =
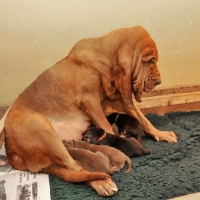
<point x="166" y="136"/>
<point x="104" y="187"/>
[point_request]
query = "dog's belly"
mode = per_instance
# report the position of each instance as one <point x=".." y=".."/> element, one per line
<point x="72" y="126"/>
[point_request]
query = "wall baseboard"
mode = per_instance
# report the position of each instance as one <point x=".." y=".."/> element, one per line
<point x="169" y="100"/>
<point x="179" y="98"/>
<point x="173" y="90"/>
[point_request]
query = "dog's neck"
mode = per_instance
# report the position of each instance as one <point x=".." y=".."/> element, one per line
<point x="116" y="118"/>
<point x="110" y="140"/>
<point x="102" y="137"/>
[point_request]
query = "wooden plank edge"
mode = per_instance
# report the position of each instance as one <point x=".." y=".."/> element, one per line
<point x="172" y="90"/>
<point x="186" y="107"/>
<point x="169" y="100"/>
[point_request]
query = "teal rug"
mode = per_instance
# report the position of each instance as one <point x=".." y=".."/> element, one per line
<point x="169" y="171"/>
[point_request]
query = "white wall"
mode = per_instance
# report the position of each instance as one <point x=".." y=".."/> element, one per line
<point x="35" y="34"/>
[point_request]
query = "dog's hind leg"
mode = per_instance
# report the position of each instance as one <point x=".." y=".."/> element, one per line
<point x="105" y="187"/>
<point x="72" y="176"/>
<point x="33" y="144"/>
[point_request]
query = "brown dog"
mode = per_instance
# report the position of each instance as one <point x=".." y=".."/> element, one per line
<point x="64" y="99"/>
<point x="116" y="157"/>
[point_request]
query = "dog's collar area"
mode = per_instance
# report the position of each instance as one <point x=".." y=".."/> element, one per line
<point x="102" y="137"/>
<point x="116" y="118"/>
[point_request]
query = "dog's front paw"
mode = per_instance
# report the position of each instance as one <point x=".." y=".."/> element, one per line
<point x="104" y="187"/>
<point x="168" y="136"/>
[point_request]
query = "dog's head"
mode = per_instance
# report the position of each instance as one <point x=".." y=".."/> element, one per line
<point x="93" y="134"/>
<point x="136" y="70"/>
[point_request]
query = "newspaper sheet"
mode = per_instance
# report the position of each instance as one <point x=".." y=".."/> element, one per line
<point x="20" y="185"/>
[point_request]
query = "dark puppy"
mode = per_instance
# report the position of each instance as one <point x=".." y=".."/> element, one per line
<point x="127" y="125"/>
<point x="129" y="146"/>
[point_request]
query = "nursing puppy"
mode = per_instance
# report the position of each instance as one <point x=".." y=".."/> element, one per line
<point x="117" y="158"/>
<point x="93" y="162"/>
<point x="127" y="125"/>
<point x="129" y="146"/>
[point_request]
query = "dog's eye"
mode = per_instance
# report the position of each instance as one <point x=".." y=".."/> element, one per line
<point x="149" y="59"/>
<point x="153" y="60"/>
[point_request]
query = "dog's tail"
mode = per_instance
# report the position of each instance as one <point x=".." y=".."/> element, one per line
<point x="2" y="134"/>
<point x="128" y="160"/>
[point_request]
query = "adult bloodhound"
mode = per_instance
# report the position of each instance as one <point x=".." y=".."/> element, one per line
<point x="64" y="100"/>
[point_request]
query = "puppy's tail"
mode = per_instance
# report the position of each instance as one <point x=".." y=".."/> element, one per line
<point x="73" y="176"/>
<point x="2" y="134"/>
<point x="128" y="160"/>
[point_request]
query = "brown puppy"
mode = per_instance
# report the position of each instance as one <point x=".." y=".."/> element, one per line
<point x="93" y="162"/>
<point x="129" y="146"/>
<point x="116" y="157"/>
<point x="64" y="99"/>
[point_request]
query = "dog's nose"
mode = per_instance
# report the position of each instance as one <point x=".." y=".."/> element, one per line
<point x="158" y="82"/>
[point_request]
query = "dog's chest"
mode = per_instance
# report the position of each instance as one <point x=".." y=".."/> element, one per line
<point x="72" y="126"/>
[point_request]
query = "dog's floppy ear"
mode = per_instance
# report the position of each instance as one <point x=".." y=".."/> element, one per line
<point x="130" y="66"/>
<point x="124" y="78"/>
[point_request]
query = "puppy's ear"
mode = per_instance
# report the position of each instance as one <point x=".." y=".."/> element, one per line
<point x="124" y="78"/>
